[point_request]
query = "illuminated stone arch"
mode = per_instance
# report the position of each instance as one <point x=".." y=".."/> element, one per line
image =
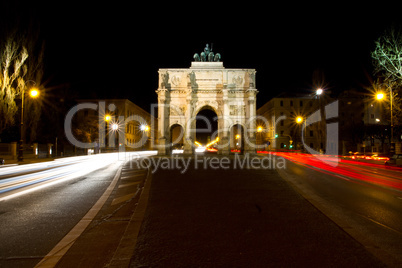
<point x="183" y="93"/>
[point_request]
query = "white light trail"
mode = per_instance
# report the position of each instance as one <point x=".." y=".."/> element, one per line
<point x="57" y="172"/>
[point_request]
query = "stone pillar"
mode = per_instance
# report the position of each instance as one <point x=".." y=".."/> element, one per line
<point x="249" y="146"/>
<point x="189" y="135"/>
<point x="224" y="132"/>
<point x="163" y="122"/>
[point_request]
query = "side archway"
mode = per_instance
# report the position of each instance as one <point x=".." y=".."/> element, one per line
<point x="176" y="138"/>
<point x="237" y="138"/>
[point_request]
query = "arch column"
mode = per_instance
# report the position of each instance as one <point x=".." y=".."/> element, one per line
<point x="223" y="126"/>
<point x="163" y="123"/>
<point x="189" y="134"/>
<point x="249" y="146"/>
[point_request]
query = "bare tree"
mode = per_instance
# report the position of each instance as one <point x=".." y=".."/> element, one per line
<point x="387" y="56"/>
<point x="387" y="61"/>
<point x="21" y="67"/>
<point x="13" y="57"/>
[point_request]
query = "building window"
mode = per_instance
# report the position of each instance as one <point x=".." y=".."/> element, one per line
<point x="311" y="133"/>
<point x="301" y="103"/>
<point x="281" y="103"/>
<point x="291" y="103"/>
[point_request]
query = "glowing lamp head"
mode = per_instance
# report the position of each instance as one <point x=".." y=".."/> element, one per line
<point x="259" y="129"/>
<point x="380" y="96"/>
<point x="34" y="93"/>
<point x="299" y="119"/>
<point x="319" y="91"/>
<point x="108" y="117"/>
<point x="144" y="128"/>
<point x="115" y="126"/>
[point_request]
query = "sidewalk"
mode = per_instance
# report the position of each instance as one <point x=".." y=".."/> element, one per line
<point x="238" y="218"/>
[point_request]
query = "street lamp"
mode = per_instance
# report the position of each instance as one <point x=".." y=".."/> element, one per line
<point x="115" y="126"/>
<point x="33" y="93"/>
<point x="144" y="128"/>
<point x="380" y="96"/>
<point x="319" y="91"/>
<point x="300" y="120"/>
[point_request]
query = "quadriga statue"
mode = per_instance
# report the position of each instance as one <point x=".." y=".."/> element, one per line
<point x="207" y="55"/>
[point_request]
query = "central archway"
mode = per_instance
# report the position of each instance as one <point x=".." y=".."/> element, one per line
<point x="206" y="136"/>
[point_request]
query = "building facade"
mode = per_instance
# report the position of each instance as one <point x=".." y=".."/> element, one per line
<point x="364" y="125"/>
<point x="357" y="124"/>
<point x="114" y="123"/>
<point x="287" y="125"/>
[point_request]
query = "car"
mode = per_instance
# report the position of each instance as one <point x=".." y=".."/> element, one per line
<point x="2" y="161"/>
<point x="380" y="157"/>
<point x="395" y="160"/>
<point x="355" y="155"/>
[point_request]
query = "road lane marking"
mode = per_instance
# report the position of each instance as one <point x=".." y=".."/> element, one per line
<point x="129" y="184"/>
<point x="54" y="256"/>
<point x="124" y="198"/>
<point x="132" y="176"/>
<point x="380" y="224"/>
<point x="125" y="250"/>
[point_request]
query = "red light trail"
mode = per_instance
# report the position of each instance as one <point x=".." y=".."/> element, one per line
<point x="377" y="174"/>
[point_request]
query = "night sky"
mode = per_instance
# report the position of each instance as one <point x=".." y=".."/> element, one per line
<point x="115" y="50"/>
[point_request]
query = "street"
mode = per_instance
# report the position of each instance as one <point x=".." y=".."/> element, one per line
<point x="40" y="203"/>
<point x="364" y="199"/>
<point x="203" y="210"/>
<point x="242" y="217"/>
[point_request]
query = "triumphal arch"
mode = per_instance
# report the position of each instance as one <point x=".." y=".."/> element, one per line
<point x="207" y="84"/>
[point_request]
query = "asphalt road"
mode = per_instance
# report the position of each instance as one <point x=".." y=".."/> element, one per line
<point x="205" y="211"/>
<point x="220" y="215"/>
<point x="364" y="199"/>
<point x="32" y="223"/>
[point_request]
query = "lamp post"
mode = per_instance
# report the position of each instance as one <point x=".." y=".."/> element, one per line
<point x="300" y="121"/>
<point x="380" y="96"/>
<point x="34" y="93"/>
<point x="259" y="135"/>
<point x="144" y="128"/>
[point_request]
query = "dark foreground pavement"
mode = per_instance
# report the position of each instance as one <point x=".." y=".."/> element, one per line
<point x="237" y="217"/>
